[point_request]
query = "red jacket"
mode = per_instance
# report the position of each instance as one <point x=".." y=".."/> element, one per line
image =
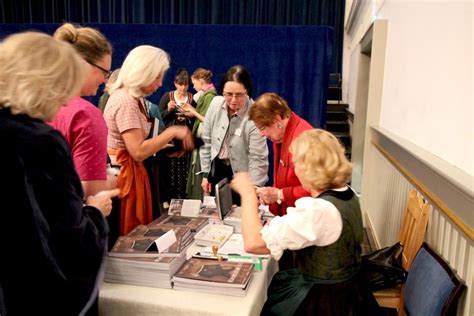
<point x="284" y="176"/>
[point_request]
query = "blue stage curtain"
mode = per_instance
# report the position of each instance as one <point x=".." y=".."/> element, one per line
<point x="234" y="12"/>
<point x="292" y="61"/>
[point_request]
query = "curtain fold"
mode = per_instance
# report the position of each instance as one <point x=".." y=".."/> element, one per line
<point x="233" y="12"/>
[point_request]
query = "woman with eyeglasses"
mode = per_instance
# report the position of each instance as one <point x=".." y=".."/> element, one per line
<point x="129" y="123"/>
<point x="80" y="122"/>
<point x="232" y="143"/>
<point x="275" y="120"/>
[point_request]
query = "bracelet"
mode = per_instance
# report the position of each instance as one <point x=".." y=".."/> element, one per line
<point x="279" y="196"/>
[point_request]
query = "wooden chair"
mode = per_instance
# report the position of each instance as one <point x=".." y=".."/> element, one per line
<point x="412" y="234"/>
<point x="432" y="287"/>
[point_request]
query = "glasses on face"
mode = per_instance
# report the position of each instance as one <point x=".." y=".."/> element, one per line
<point x="106" y="72"/>
<point x="237" y="95"/>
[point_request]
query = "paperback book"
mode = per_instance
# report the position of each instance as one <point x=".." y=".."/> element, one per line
<point x="213" y="276"/>
<point x="149" y="271"/>
<point x="193" y="223"/>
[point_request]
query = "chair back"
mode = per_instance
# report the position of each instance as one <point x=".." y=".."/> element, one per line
<point x="413" y="228"/>
<point x="432" y="287"/>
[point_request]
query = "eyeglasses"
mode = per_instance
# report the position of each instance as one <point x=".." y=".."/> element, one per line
<point x="106" y="72"/>
<point x="261" y="128"/>
<point x="238" y="95"/>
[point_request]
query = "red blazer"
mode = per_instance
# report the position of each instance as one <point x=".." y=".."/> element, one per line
<point x="284" y="176"/>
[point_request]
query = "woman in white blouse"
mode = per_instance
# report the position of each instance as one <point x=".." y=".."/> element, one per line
<point x="323" y="233"/>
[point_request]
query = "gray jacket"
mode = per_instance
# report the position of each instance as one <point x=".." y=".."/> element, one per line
<point x="248" y="150"/>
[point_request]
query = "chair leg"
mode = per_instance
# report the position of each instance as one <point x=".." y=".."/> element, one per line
<point x="401" y="304"/>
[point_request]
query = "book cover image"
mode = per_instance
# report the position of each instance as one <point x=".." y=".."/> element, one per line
<point x="158" y="230"/>
<point x="127" y="245"/>
<point x="217" y="272"/>
<point x="194" y="223"/>
<point x="175" y="206"/>
<point x="143" y="230"/>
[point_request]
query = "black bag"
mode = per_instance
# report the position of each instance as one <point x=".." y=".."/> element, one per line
<point x="383" y="268"/>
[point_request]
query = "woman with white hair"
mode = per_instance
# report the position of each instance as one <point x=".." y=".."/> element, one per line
<point x="52" y="245"/>
<point x="129" y="125"/>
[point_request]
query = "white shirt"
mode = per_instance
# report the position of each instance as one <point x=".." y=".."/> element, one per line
<point x="312" y="222"/>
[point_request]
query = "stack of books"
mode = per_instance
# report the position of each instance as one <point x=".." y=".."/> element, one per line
<point x="143" y="271"/>
<point x="214" y="276"/>
<point x="136" y="258"/>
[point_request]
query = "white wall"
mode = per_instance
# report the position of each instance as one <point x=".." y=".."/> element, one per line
<point x="428" y="85"/>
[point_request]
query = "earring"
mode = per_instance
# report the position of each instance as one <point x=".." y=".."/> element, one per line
<point x="279" y="126"/>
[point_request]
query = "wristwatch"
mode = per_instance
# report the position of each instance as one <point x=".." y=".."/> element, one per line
<point x="279" y="196"/>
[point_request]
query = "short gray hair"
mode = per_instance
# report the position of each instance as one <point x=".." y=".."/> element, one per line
<point x="38" y="74"/>
<point x="143" y="65"/>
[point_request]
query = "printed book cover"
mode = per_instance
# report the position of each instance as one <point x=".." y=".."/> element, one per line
<point x="185" y="207"/>
<point x="134" y="246"/>
<point x="182" y="233"/>
<point x="215" y="273"/>
<point x="194" y="223"/>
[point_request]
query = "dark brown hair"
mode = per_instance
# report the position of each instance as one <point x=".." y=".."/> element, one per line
<point x="181" y="77"/>
<point x="240" y="74"/>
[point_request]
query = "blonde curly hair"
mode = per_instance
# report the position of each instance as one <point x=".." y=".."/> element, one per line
<point x="38" y="74"/>
<point x="320" y="160"/>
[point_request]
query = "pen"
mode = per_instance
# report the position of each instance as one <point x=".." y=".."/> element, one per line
<point x="199" y="256"/>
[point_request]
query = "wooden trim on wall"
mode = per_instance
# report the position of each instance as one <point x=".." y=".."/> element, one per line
<point x="427" y="185"/>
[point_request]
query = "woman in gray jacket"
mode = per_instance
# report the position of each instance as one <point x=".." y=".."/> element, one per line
<point x="232" y="143"/>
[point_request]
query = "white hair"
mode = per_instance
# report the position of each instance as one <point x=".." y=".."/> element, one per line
<point x="143" y="65"/>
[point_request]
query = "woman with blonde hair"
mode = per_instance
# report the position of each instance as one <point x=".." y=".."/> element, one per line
<point x="129" y="125"/>
<point x="324" y="233"/>
<point x="57" y="267"/>
<point x="81" y="122"/>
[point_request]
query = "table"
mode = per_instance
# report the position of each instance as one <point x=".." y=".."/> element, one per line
<point x="122" y="299"/>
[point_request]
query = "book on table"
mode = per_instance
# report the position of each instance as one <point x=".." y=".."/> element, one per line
<point x="194" y="223"/>
<point x="141" y="241"/>
<point x="185" y="207"/>
<point x="213" y="276"/>
<point x="144" y="271"/>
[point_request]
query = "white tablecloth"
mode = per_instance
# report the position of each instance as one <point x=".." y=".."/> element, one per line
<point x="120" y="299"/>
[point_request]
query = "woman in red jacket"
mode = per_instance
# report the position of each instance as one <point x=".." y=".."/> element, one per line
<point x="277" y="122"/>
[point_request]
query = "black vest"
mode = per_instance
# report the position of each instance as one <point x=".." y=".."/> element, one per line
<point x="341" y="260"/>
